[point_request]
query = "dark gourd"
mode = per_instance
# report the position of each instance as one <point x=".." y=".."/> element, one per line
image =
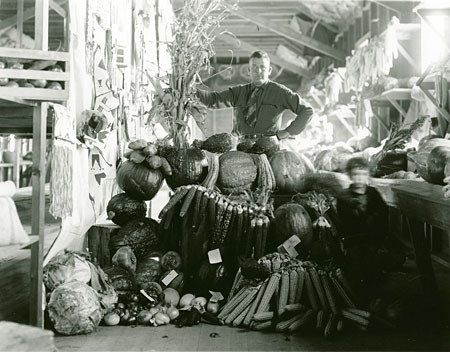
<point x="437" y="160"/>
<point x="189" y="166"/>
<point x="121" y="279"/>
<point x="265" y="145"/>
<point x="139" y="180"/>
<point x="148" y="270"/>
<point x="122" y="208"/>
<point x="237" y="172"/>
<point x="420" y="158"/>
<point x="140" y="234"/>
<point x="288" y="168"/>
<point x="171" y="261"/>
<point x="177" y="283"/>
<point x="218" y="143"/>
<point x="125" y="258"/>
<point x="293" y="219"/>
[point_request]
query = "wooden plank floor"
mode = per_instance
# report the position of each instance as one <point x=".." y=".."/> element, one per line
<point x="198" y="338"/>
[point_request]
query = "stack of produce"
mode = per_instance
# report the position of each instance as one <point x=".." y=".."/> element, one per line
<point x="294" y="296"/>
<point x="78" y="293"/>
<point x="37" y="65"/>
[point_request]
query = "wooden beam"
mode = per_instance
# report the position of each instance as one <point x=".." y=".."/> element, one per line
<point x="19" y="23"/>
<point x="273" y="58"/>
<point x="12" y="21"/>
<point x="57" y="8"/>
<point x="41" y="25"/>
<point x="291" y="34"/>
<point x="38" y="211"/>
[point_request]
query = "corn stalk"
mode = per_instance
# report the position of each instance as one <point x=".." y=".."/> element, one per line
<point x="194" y="30"/>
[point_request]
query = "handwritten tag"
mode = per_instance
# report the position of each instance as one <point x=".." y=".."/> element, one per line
<point x="170" y="277"/>
<point x="216" y="296"/>
<point x="155" y="258"/>
<point x="214" y="256"/>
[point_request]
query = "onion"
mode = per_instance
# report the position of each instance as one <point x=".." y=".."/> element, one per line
<point x="199" y="301"/>
<point x="212" y="307"/>
<point x="173" y="313"/>
<point x="186" y="300"/>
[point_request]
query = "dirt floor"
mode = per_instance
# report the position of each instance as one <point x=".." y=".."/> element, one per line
<point x="200" y="338"/>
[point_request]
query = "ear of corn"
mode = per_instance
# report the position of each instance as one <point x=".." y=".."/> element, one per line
<point x="294" y="307"/>
<point x="284" y="291"/>
<point x="284" y="325"/>
<point x="188" y="200"/>
<point x="330" y="328"/>
<point x="180" y="193"/>
<point x="264" y="316"/>
<point x="229" y="306"/>
<point x="357" y="319"/>
<point x="238" y="321"/>
<point x="343" y="280"/>
<point x="271" y="287"/>
<point x="331" y="299"/>
<point x="237" y="280"/>
<point x="341" y="291"/>
<point x="311" y="294"/>
<point x="261" y="326"/>
<point x="360" y="312"/>
<point x="304" y="319"/>
<point x="247" y="299"/>
<point x="293" y="280"/>
<point x="300" y="285"/>
<point x="317" y="283"/>
<point x="255" y="303"/>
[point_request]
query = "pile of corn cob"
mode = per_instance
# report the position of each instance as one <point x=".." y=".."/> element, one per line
<point x="198" y="219"/>
<point x="297" y="294"/>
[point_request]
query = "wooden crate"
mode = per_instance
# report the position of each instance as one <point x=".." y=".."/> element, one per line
<point x="40" y="94"/>
<point x="384" y="187"/>
<point x="98" y="243"/>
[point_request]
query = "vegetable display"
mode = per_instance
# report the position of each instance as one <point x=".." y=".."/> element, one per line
<point x="122" y="208"/>
<point x="74" y="308"/>
<point x="141" y="235"/>
<point x="288" y="169"/>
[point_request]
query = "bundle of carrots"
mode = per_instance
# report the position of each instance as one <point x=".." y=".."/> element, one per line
<point x="296" y="295"/>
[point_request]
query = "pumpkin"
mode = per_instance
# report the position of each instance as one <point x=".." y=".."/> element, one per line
<point x="121" y="279"/>
<point x="140" y="234"/>
<point x="189" y="166"/>
<point x="212" y="277"/>
<point x="237" y="172"/>
<point x="139" y="180"/>
<point x="420" y="158"/>
<point x="436" y="163"/>
<point x="122" y="208"/>
<point x="218" y="143"/>
<point x="125" y="258"/>
<point x="331" y="160"/>
<point x="171" y="261"/>
<point x="292" y="219"/>
<point x="288" y="168"/>
<point x="148" y="271"/>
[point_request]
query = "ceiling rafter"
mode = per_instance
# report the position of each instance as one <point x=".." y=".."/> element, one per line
<point x="274" y="58"/>
<point x="289" y="33"/>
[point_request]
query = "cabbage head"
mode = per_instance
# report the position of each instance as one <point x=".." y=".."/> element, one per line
<point x="74" y="308"/>
<point x="66" y="267"/>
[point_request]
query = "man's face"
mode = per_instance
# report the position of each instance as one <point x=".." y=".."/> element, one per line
<point x="360" y="177"/>
<point x="259" y="71"/>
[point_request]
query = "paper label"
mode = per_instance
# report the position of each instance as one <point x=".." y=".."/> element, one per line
<point x="214" y="256"/>
<point x="170" y="277"/>
<point x="288" y="246"/>
<point x="216" y="296"/>
<point x="155" y="258"/>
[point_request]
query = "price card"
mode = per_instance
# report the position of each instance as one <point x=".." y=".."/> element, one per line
<point x="170" y="277"/>
<point x="214" y="256"/>
<point x="288" y="246"/>
<point x="216" y="296"/>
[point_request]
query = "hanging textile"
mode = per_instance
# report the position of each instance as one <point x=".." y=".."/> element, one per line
<point x="63" y="148"/>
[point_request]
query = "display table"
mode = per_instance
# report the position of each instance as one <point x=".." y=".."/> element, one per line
<point x="422" y="202"/>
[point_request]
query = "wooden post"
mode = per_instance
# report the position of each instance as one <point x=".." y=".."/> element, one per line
<point x="41" y="25"/>
<point x="98" y="243"/>
<point x="19" y="23"/>
<point x="38" y="212"/>
<point x="17" y="158"/>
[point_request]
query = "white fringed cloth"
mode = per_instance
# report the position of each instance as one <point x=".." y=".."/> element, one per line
<point x="62" y="157"/>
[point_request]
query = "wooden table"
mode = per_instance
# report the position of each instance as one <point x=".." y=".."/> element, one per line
<point x="424" y="203"/>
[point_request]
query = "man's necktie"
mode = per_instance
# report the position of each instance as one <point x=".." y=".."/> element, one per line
<point x="250" y="115"/>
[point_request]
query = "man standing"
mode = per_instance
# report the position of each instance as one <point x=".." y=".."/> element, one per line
<point x="260" y="104"/>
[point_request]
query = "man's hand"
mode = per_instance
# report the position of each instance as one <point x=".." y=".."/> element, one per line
<point x="283" y="134"/>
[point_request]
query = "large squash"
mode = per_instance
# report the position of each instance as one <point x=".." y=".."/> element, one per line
<point x="122" y="208"/>
<point x="189" y="166"/>
<point x="141" y="235"/>
<point x="288" y="168"/>
<point x="237" y="171"/>
<point x="436" y="163"/>
<point x="148" y="271"/>
<point x="292" y="219"/>
<point x="420" y="158"/>
<point x="138" y="180"/>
